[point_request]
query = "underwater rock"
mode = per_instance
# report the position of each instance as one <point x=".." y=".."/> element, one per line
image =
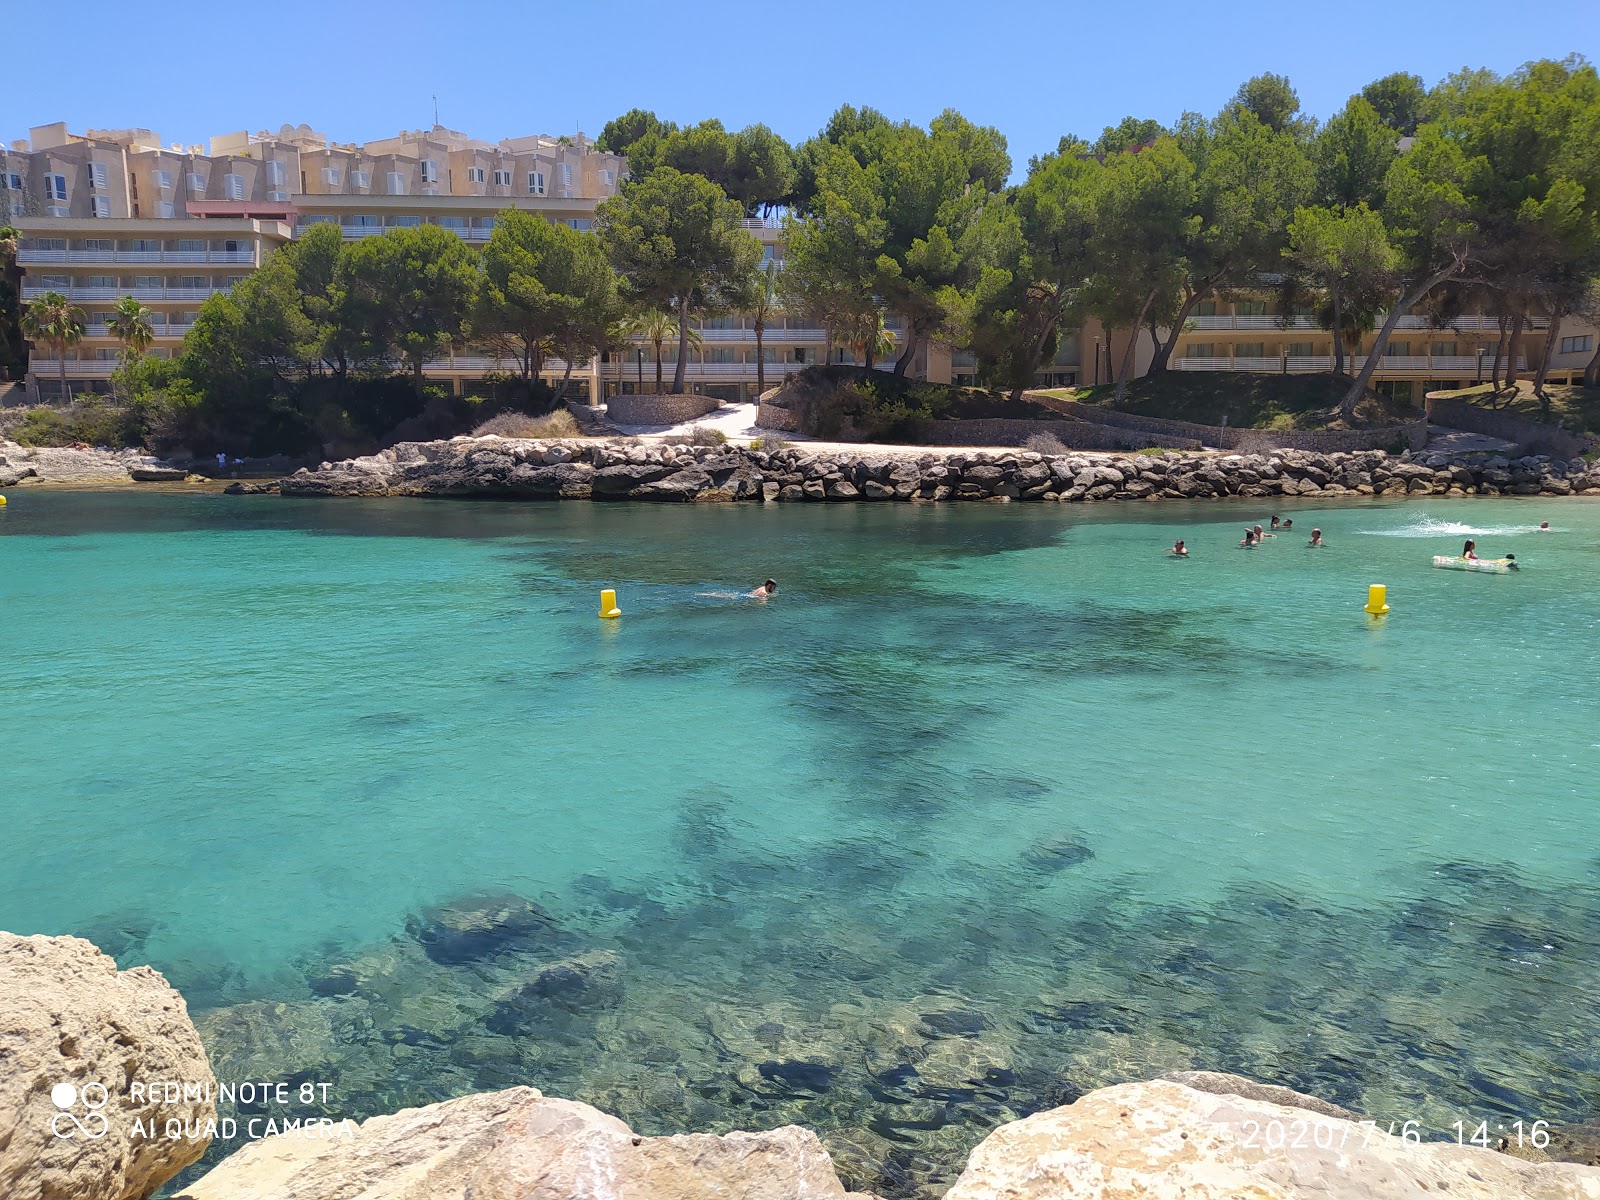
<point x="1057" y="856"/>
<point x="802" y="1076"/>
<point x="585" y="983"/>
<point x="476" y="927"/>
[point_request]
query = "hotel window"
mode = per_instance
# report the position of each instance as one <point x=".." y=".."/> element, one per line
<point x="1250" y="308"/>
<point x="1299" y="350"/>
<point x="720" y="354"/>
<point x="101" y="281"/>
<point x="146" y="282"/>
<point x="278" y="197"/>
<point x="166" y="208"/>
<point x="233" y="187"/>
<point x="406" y="222"/>
<point x="97" y="176"/>
<point x="193" y="281"/>
<point x="1249" y="350"/>
<point x="102" y="206"/>
<point x="360" y="179"/>
<point x="330" y="176"/>
<point x="1206" y="308"/>
<point x="502" y="179"/>
<point x="608" y="176"/>
<point x="1443" y="349"/>
<point x="10" y="179"/>
<point x="535" y="183"/>
<point x="101" y="318"/>
<point x="1200" y="350"/>
<point x="566" y="174"/>
<point x="1397" y="350"/>
<point x="100" y="244"/>
<point x="1581" y="344"/>
<point x="58" y="282"/>
<point x="275" y="173"/>
<point x="397" y="183"/>
<point x="196" y="181"/>
<point x="474" y="174"/>
<point x="429" y="171"/>
<point x="55" y="187"/>
<point x="163" y="179"/>
<point x="190" y="244"/>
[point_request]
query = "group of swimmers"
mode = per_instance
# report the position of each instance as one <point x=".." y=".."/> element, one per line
<point x="1254" y="534"/>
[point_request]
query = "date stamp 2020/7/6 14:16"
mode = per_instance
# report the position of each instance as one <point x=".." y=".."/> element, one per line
<point x="1303" y="1134"/>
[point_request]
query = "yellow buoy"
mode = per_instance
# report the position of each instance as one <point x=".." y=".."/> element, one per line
<point x="2" y="501"/>
<point x="1377" y="599"/>
<point x="608" y="603"/>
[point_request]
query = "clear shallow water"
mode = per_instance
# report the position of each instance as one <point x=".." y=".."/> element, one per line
<point x="991" y="805"/>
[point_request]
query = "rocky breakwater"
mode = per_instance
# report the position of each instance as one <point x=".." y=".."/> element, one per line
<point x="601" y="470"/>
<point x="70" y="466"/>
<point x="86" y="1054"/>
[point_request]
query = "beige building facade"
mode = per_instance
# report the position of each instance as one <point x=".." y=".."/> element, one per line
<point x="116" y="212"/>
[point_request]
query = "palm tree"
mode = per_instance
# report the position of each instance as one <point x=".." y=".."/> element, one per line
<point x="58" y="323"/>
<point x="659" y="326"/>
<point x="766" y="303"/>
<point x="872" y="342"/>
<point x="11" y="349"/>
<point x="131" y="325"/>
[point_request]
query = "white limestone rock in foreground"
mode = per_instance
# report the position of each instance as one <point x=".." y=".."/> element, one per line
<point x="75" y="1034"/>
<point x="520" y="1145"/>
<point x="1165" y="1141"/>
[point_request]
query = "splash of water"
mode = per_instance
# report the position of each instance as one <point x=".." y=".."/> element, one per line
<point x="1432" y="527"/>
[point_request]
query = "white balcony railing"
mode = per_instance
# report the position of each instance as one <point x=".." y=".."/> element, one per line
<point x="1254" y="321"/>
<point x="769" y="337"/>
<point x="83" y="292"/>
<point x="1472" y="321"/>
<point x="26" y="257"/>
<point x="1439" y="366"/>
<point x="81" y="368"/>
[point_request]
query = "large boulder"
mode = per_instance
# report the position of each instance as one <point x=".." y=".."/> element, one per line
<point x="1164" y="1140"/>
<point x="520" y="1145"/>
<point x="86" y="1052"/>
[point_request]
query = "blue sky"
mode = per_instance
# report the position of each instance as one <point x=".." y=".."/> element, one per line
<point x="1035" y="69"/>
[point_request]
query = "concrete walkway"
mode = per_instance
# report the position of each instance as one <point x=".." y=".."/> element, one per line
<point x="1445" y="440"/>
<point x="737" y="422"/>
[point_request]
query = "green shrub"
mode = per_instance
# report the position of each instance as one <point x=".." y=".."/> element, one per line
<point x="557" y="424"/>
<point x="771" y="443"/>
<point x="1045" y="443"/>
<point x="705" y="435"/>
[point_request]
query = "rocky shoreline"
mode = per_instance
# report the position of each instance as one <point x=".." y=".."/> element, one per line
<point x="613" y="470"/>
<point x="75" y="1023"/>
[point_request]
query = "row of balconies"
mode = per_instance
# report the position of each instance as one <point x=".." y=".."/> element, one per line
<point x="26" y="256"/>
<point x="82" y="292"/>
<point x="1271" y="321"/>
<point x="467" y="364"/>
<point x="1452" y="365"/>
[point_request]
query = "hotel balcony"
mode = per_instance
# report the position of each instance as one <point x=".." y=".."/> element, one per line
<point x="768" y="338"/>
<point x="1274" y="321"/>
<point x="93" y="257"/>
<point x="82" y="292"/>
<point x="1436" y="366"/>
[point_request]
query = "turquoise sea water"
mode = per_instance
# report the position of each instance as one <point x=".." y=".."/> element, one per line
<point x="991" y="805"/>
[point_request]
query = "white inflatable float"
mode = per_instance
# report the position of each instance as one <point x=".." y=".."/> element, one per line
<point x="1497" y="566"/>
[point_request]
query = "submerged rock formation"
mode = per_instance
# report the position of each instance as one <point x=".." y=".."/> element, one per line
<point x="82" y="1047"/>
<point x="521" y="1145"/>
<point x="583" y="470"/>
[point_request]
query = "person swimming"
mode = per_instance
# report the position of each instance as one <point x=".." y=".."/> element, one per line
<point x="1470" y="551"/>
<point x="1249" y="542"/>
<point x="1179" y="550"/>
<point x="1544" y="526"/>
<point x="1511" y="562"/>
<point x="1316" y="538"/>
<point x="1287" y="525"/>
<point x="1259" y="534"/>
<point x="769" y="588"/>
<point x="1274" y="520"/>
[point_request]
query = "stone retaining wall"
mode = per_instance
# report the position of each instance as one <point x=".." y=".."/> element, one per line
<point x="1531" y="437"/>
<point x="1413" y="435"/>
<point x="770" y="416"/>
<point x="1077" y="435"/>
<point x="658" y="409"/>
